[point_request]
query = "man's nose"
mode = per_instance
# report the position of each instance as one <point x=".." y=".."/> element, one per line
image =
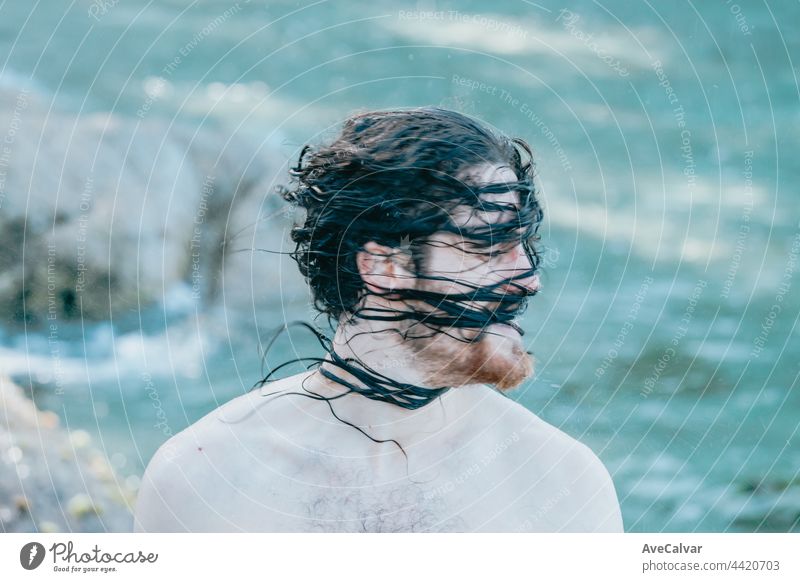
<point x="530" y="283"/>
<point x="523" y="274"/>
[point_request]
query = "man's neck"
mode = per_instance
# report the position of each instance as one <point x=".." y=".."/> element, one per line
<point x="382" y="350"/>
<point x="385" y="352"/>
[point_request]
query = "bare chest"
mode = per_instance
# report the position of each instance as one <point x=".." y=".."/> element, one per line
<point x="474" y="489"/>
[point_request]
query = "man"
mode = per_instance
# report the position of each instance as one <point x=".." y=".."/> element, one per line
<point x="418" y="243"/>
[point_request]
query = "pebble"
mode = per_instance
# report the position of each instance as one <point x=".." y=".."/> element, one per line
<point x="49" y="527"/>
<point x="133" y="482"/>
<point x="14" y="454"/>
<point x="119" y="460"/>
<point x="81" y="505"/>
<point x="21" y="503"/>
<point x="80" y="438"/>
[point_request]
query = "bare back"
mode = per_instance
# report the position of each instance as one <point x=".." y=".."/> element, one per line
<point x="476" y="461"/>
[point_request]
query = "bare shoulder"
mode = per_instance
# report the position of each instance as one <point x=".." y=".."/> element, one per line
<point x="573" y="489"/>
<point x="171" y="494"/>
<point x="190" y="472"/>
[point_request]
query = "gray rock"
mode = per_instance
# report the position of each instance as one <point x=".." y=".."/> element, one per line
<point x="101" y="214"/>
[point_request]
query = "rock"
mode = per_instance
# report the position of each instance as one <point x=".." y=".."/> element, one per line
<point x="48" y="492"/>
<point x="80" y="439"/>
<point x="21" y="503"/>
<point x="109" y="212"/>
<point x="48" y="527"/>
<point x="81" y="505"/>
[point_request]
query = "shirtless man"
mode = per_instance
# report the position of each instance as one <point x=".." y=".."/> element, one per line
<point x="418" y="243"/>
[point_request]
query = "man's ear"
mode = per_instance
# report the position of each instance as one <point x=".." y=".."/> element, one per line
<point x="383" y="268"/>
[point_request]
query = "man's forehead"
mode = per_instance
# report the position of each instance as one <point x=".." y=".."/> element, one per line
<point x="470" y="216"/>
<point x="490" y="174"/>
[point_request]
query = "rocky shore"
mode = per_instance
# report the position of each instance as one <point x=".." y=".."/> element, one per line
<point x="51" y="479"/>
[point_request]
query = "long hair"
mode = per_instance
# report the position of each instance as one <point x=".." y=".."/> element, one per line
<point x="394" y="177"/>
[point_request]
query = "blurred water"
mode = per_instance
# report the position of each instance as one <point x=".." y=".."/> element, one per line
<point x="666" y="142"/>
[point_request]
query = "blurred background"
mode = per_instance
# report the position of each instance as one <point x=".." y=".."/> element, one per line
<point x="141" y="143"/>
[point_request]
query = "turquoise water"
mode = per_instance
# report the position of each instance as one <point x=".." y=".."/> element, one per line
<point x="666" y="146"/>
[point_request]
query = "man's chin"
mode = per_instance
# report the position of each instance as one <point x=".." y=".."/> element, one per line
<point x="498" y="358"/>
<point x="506" y="363"/>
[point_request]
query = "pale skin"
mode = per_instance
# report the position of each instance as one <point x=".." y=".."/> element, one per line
<point x="477" y="460"/>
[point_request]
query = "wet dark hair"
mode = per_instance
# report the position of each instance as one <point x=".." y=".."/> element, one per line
<point x="397" y="176"/>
